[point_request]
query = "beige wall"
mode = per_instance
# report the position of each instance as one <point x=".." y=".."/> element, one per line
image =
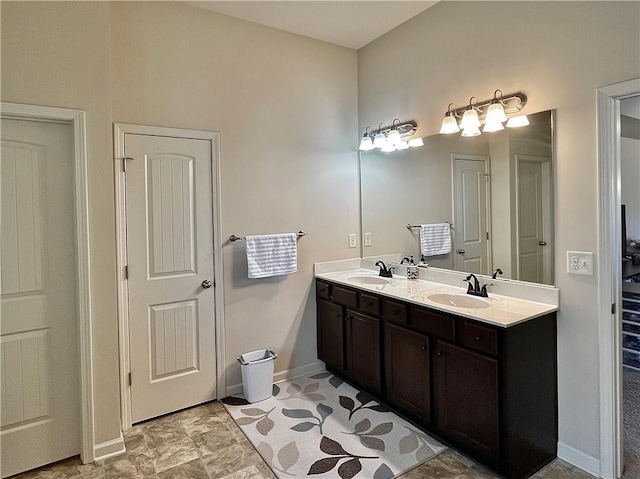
<point x="57" y="54"/>
<point x="286" y="110"/>
<point x="558" y="53"/>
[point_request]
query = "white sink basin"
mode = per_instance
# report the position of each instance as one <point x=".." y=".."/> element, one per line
<point x="458" y="300"/>
<point x="365" y="279"/>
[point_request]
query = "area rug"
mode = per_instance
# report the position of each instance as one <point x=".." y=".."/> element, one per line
<point x="321" y="427"/>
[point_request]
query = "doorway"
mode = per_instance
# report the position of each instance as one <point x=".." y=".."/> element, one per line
<point x="610" y="277"/>
<point x="169" y="255"/>
<point x="47" y="407"/>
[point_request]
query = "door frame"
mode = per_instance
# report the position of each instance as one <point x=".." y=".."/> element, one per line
<point x="77" y="120"/>
<point x="610" y="274"/>
<point x="119" y="131"/>
<point x="547" y="211"/>
<point x="486" y="159"/>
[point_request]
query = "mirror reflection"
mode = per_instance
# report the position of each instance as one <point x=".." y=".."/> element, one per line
<point x="495" y="190"/>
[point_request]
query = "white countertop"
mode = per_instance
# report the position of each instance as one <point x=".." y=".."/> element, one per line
<point x="502" y="310"/>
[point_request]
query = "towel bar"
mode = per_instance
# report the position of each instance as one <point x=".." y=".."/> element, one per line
<point x="410" y="226"/>
<point x="233" y="238"/>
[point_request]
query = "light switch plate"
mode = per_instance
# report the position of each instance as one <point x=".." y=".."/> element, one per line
<point x="580" y="262"/>
<point x="352" y="240"/>
<point x="367" y="239"/>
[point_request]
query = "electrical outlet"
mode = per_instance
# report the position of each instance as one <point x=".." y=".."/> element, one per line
<point x="352" y="240"/>
<point x="367" y="239"/>
<point x="580" y="262"/>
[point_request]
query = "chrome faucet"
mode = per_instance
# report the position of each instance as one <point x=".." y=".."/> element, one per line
<point x="384" y="271"/>
<point x="475" y="289"/>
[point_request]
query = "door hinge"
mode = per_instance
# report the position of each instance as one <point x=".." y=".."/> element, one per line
<point x="126" y="272"/>
<point x="129" y="378"/>
<point x="487" y="235"/>
<point x="613" y="308"/>
<point x="124" y="163"/>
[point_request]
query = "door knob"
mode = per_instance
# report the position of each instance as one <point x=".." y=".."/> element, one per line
<point x="542" y="243"/>
<point x="460" y="251"/>
<point x="206" y="284"/>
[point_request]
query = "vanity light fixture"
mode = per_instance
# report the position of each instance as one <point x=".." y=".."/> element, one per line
<point x="366" y="143"/>
<point x="390" y="138"/>
<point x="379" y="138"/>
<point x="493" y="113"/>
<point x="470" y="116"/>
<point x="450" y="124"/>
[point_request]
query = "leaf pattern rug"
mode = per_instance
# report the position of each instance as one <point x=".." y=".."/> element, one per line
<point x="321" y="427"/>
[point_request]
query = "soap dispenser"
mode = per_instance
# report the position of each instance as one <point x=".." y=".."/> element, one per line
<point x="412" y="269"/>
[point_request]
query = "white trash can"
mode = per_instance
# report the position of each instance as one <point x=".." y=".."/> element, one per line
<point x="257" y="374"/>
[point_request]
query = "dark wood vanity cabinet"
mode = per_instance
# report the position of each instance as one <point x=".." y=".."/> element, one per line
<point x="407" y="363"/>
<point x="489" y="391"/>
<point x="362" y="350"/>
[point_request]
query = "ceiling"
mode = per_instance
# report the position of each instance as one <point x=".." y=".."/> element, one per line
<point x="351" y="24"/>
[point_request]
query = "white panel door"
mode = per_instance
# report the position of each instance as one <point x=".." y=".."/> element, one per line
<point x="533" y="219"/>
<point x="40" y="392"/>
<point x="170" y="265"/>
<point x="470" y="214"/>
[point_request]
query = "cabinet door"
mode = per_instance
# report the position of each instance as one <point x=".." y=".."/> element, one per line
<point x="407" y="370"/>
<point x="467" y="399"/>
<point x="330" y="334"/>
<point x="362" y="349"/>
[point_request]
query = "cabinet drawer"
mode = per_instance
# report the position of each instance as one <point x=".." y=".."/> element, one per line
<point x="432" y="323"/>
<point x="323" y="289"/>
<point x="394" y="312"/>
<point x="478" y="337"/>
<point x="369" y="304"/>
<point x="345" y="296"/>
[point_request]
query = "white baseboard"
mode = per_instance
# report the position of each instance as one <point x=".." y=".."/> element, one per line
<point x="306" y="370"/>
<point x="579" y="459"/>
<point x="108" y="449"/>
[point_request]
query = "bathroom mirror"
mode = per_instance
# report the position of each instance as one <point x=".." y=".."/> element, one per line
<point x="495" y="189"/>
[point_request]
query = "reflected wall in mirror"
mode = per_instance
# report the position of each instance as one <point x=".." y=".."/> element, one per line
<point x="496" y="189"/>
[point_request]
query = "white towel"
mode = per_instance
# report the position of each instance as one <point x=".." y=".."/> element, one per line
<point x="435" y="239"/>
<point x="272" y="255"/>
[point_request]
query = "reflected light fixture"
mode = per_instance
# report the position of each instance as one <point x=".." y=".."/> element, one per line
<point x="415" y="142"/>
<point x="518" y="121"/>
<point x="493" y="113"/>
<point x="449" y="123"/>
<point x="390" y="138"/>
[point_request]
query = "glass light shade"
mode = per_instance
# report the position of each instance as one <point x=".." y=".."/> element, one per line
<point x="518" y="121"/>
<point x="415" y="142"/>
<point x="366" y="143"/>
<point x="495" y="113"/>
<point x="491" y="126"/>
<point x="379" y="140"/>
<point x="449" y="125"/>
<point x="388" y="148"/>
<point x="402" y="145"/>
<point x="471" y="131"/>
<point x="394" y="137"/>
<point x="470" y="120"/>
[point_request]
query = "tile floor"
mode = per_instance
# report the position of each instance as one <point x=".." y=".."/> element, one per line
<point x="204" y="443"/>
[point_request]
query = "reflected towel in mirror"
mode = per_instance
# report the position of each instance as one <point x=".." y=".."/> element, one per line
<point x="435" y="239"/>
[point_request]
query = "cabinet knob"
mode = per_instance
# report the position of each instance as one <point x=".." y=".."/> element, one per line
<point x="440" y="353"/>
<point x="478" y="338"/>
<point x="394" y="312"/>
<point x="424" y="347"/>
